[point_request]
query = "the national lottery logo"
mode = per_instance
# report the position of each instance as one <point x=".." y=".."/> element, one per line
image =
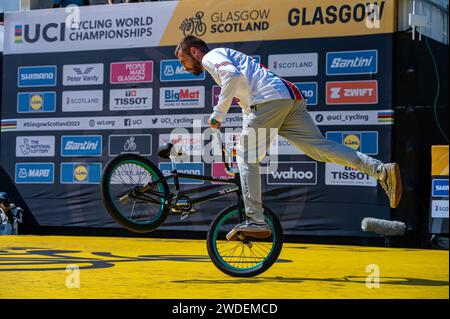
<point x="131" y="72"/>
<point x="182" y="97"/>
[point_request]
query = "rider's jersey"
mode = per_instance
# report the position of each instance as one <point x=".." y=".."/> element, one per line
<point x="241" y="77"/>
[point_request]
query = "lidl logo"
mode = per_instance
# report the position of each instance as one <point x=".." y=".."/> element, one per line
<point x="34" y="76"/>
<point x="81" y="145"/>
<point x="352" y="62"/>
<point x="81" y="173"/>
<point x="186" y="168"/>
<point x="35" y="173"/>
<point x="309" y="91"/>
<point x="36" y="102"/>
<point x="352" y="92"/>
<point x="364" y="142"/>
<point x="173" y="70"/>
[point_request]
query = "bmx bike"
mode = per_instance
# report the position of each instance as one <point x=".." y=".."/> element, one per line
<point x="137" y="196"/>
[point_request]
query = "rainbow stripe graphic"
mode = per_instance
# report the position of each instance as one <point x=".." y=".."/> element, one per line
<point x="386" y="117"/>
<point x="18" y="34"/>
<point x="7" y="125"/>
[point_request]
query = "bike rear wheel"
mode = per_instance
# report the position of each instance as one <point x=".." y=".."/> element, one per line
<point x="243" y="258"/>
<point x="126" y="173"/>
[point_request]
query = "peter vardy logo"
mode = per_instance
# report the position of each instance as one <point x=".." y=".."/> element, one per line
<point x="309" y="91"/>
<point x="182" y="97"/>
<point x="186" y="168"/>
<point x="293" y="173"/>
<point x="35" y="173"/>
<point x="440" y="188"/>
<point x="81" y="145"/>
<point x="35" y="76"/>
<point x="36" y="102"/>
<point x="83" y="74"/>
<point x="80" y="173"/>
<point x="352" y="62"/>
<point x="364" y="142"/>
<point x="173" y="70"/>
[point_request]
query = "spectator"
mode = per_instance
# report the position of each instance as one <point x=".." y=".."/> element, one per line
<point x="10" y="215"/>
<point x="65" y="3"/>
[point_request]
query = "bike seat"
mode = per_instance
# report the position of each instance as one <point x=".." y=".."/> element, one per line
<point x="164" y="150"/>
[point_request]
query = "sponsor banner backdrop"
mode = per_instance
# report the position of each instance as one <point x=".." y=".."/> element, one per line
<point x="77" y="94"/>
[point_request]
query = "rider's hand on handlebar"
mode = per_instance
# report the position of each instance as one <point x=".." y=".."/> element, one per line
<point x="213" y="123"/>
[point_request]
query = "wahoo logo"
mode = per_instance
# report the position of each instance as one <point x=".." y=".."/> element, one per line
<point x="81" y="145"/>
<point x="352" y="62"/>
<point x="352" y="92"/>
<point x="173" y="70"/>
<point x="35" y="173"/>
<point x="18" y="34"/>
<point x="185" y="168"/>
<point x="293" y="173"/>
<point x="182" y="97"/>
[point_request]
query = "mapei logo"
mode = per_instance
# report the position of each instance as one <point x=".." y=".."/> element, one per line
<point x="352" y="62"/>
<point x="185" y="168"/>
<point x="364" y="142"/>
<point x="293" y="173"/>
<point x="83" y="74"/>
<point x="81" y="145"/>
<point x="309" y="91"/>
<point x="352" y="92"/>
<point x="35" y="76"/>
<point x="80" y="173"/>
<point x="440" y="188"/>
<point x="182" y="97"/>
<point x="36" y="102"/>
<point x="35" y="173"/>
<point x="173" y="70"/>
<point x="131" y="99"/>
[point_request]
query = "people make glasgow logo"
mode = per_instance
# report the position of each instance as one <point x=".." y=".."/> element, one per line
<point x="194" y="25"/>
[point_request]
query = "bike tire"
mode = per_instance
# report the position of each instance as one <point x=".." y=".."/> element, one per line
<point x="112" y="205"/>
<point x="215" y="235"/>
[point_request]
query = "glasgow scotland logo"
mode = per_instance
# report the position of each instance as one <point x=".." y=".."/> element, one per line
<point x="194" y="25"/>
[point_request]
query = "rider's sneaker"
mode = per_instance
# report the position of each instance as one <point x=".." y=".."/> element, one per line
<point x="392" y="183"/>
<point x="250" y="229"/>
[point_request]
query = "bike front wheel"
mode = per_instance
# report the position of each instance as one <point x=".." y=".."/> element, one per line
<point x="243" y="258"/>
<point x="142" y="212"/>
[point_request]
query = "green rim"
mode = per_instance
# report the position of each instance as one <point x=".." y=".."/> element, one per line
<point x="159" y="186"/>
<point x="215" y="235"/>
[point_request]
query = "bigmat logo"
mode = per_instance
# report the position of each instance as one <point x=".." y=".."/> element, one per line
<point x="182" y="97"/>
<point x="186" y="168"/>
<point x="352" y="92"/>
<point x="131" y="72"/>
<point x="81" y="145"/>
<point x="80" y="173"/>
<point x="294" y="173"/>
<point x="35" y="76"/>
<point x="36" y="102"/>
<point x="35" y="173"/>
<point x="309" y="91"/>
<point x="342" y="175"/>
<point x="173" y="70"/>
<point x="364" y="142"/>
<point x="352" y="62"/>
<point x="131" y="99"/>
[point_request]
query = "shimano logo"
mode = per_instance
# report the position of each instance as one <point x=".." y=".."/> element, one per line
<point x="37" y="76"/>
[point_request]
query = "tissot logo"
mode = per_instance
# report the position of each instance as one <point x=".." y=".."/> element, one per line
<point x="50" y="32"/>
<point x="130" y="99"/>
